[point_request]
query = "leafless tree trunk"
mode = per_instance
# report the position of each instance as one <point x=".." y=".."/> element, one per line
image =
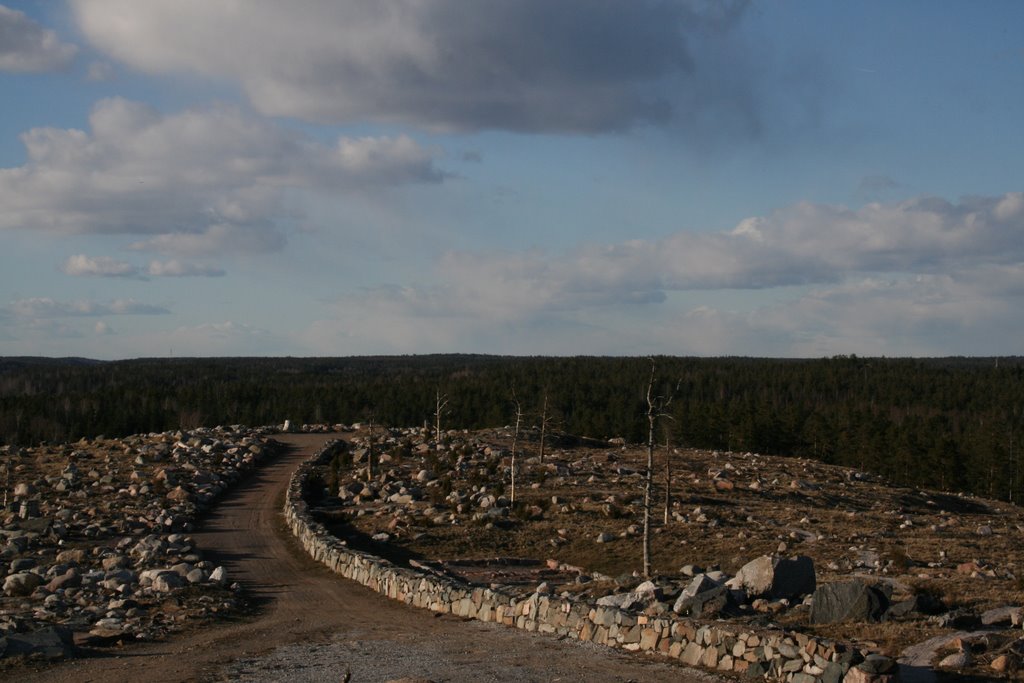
<point x="440" y="404"/>
<point x="369" y="452"/>
<point x="652" y="417"/>
<point x="543" y="427"/>
<point x="668" y="477"/>
<point x="515" y="440"/>
<point x="656" y="407"/>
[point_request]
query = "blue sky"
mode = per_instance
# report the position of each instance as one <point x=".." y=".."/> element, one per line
<point x="627" y="177"/>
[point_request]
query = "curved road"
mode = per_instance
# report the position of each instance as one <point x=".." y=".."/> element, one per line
<point x="315" y="626"/>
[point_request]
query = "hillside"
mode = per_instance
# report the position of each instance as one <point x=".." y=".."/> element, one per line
<point x="938" y="563"/>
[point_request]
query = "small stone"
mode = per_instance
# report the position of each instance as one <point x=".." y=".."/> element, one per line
<point x="1001" y="664"/>
<point x="957" y="660"/>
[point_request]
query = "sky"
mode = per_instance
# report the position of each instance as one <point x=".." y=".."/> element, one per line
<point x="527" y="177"/>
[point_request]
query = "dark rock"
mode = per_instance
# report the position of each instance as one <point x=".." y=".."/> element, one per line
<point x="962" y="618"/>
<point x="878" y="664"/>
<point x="848" y="601"/>
<point x="52" y="642"/>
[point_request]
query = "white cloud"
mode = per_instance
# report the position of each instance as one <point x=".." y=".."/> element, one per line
<point x="44" y="307"/>
<point x="942" y="314"/>
<point x="923" y="276"/>
<point x="81" y="265"/>
<point x="25" y="46"/>
<point x="524" y="65"/>
<point x="176" y="268"/>
<point x="199" y="180"/>
<point x="216" y="239"/>
<point x="802" y="244"/>
<point x="98" y="266"/>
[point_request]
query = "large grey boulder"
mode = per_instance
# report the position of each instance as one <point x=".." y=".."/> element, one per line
<point x="775" y="577"/>
<point x="848" y="601"/>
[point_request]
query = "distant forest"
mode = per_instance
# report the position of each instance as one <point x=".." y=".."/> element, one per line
<point x="949" y="423"/>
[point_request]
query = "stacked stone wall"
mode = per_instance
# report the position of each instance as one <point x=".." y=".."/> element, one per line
<point x="771" y="654"/>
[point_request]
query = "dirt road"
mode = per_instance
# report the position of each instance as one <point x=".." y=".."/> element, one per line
<point x="314" y="626"/>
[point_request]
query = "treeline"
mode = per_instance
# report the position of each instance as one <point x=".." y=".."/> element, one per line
<point x="950" y="423"/>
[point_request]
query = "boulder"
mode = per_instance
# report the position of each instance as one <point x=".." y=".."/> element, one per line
<point x="957" y="660"/>
<point x="1003" y="616"/>
<point x="874" y="669"/>
<point x="848" y="601"/>
<point x="178" y="495"/>
<point x="22" y="583"/>
<point x="167" y="581"/>
<point x="219" y="576"/>
<point x="69" y="579"/>
<point x="775" y="578"/>
<point x="619" y="600"/>
<point x="707" y="603"/>
<point x="53" y="642"/>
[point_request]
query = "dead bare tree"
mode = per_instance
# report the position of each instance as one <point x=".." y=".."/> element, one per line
<point x="441" y="402"/>
<point x="657" y="407"/>
<point x="515" y="440"/>
<point x="668" y="474"/>
<point x="545" y="422"/>
<point x="369" y="450"/>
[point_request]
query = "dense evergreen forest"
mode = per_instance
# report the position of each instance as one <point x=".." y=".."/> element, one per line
<point x="951" y="423"/>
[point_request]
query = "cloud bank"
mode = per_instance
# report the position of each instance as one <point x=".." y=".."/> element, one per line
<point x="43" y="307"/>
<point x="521" y="65"/>
<point x="194" y="182"/>
<point x="81" y="265"/>
<point x="801" y="244"/>
<point x="923" y="275"/>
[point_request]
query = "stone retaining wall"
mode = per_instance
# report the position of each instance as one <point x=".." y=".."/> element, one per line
<point x="771" y="654"/>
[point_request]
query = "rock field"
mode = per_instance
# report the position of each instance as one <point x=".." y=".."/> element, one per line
<point x="94" y="537"/>
<point x="95" y="545"/>
<point x="757" y="540"/>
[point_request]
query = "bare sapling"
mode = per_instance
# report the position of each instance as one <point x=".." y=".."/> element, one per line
<point x="657" y="407"/>
<point x="545" y="419"/>
<point x="515" y="441"/>
<point x="440" y="403"/>
<point x="369" y="451"/>
<point x="668" y="475"/>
